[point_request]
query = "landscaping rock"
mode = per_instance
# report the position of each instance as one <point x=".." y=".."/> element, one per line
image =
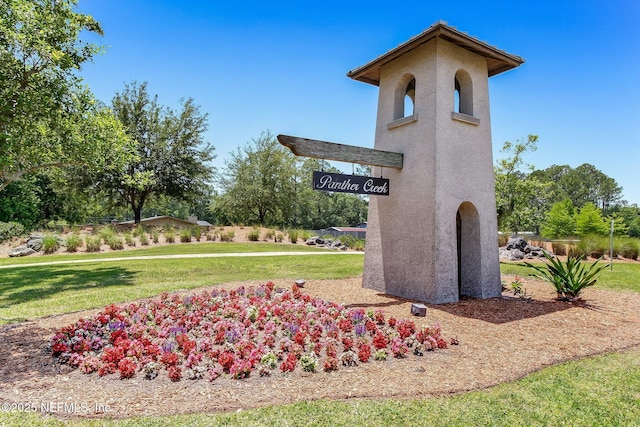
<point x="517" y="249"/>
<point x="511" y="254"/>
<point x="21" y="251"/>
<point x="35" y="243"/>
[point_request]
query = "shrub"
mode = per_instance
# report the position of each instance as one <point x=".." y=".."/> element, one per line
<point x="347" y="240"/>
<point x="211" y="237"/>
<point x="502" y="240"/>
<point x="306" y="235"/>
<point x="228" y="236"/>
<point x="629" y="248"/>
<point x="270" y="234"/>
<point x="9" y="230"/>
<point x="73" y="242"/>
<point x="559" y="248"/>
<point x="593" y="246"/>
<point x="115" y="242"/>
<point x="280" y="237"/>
<point x="185" y="235"/>
<point x="128" y="239"/>
<point x="254" y="235"/>
<point x="144" y="239"/>
<point x="92" y="243"/>
<point x="196" y="232"/>
<point x="293" y="236"/>
<point x="155" y="235"/>
<point x="139" y="231"/>
<point x="50" y="244"/>
<point x="106" y="233"/>
<point x="359" y="245"/>
<point x="170" y="235"/>
<point x="569" y="278"/>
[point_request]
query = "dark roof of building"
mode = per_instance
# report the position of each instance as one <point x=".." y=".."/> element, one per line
<point x="498" y="61"/>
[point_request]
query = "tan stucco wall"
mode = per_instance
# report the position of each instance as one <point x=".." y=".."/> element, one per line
<point x="411" y="244"/>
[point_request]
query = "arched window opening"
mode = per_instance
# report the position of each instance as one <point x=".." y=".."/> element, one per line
<point x="463" y="93"/>
<point x="410" y="98"/>
<point x="405" y="97"/>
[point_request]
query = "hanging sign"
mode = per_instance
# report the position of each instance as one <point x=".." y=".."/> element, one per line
<point x="326" y="181"/>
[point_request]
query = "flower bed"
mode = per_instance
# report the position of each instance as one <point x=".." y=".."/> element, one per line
<point x="236" y="333"/>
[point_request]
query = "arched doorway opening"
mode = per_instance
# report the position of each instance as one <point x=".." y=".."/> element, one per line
<point x="468" y="250"/>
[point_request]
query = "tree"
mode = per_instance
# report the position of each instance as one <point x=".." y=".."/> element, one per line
<point x="322" y="209"/>
<point x="47" y="118"/>
<point x="258" y="183"/>
<point x="171" y="157"/>
<point x="521" y="198"/>
<point x="559" y="221"/>
<point x="589" y="220"/>
<point x="582" y="185"/>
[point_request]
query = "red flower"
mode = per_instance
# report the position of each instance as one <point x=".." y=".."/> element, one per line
<point x="289" y="364"/>
<point x="226" y="359"/>
<point x="175" y="373"/>
<point x="169" y="359"/>
<point x="127" y="368"/>
<point x="380" y="341"/>
<point x="300" y="337"/>
<point x="347" y="343"/>
<point x="330" y="364"/>
<point x="364" y="353"/>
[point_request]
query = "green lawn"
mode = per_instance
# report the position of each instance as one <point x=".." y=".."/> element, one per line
<point x="602" y="390"/>
<point x="28" y="292"/>
<point x="175" y="249"/>
<point x="623" y="277"/>
<point x="597" y="391"/>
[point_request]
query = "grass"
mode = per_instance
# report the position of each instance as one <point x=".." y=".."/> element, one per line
<point x="29" y="292"/>
<point x="200" y="248"/>
<point x="623" y="277"/>
<point x="601" y="390"/>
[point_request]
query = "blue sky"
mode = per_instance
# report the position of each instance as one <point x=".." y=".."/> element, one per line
<point x="280" y="66"/>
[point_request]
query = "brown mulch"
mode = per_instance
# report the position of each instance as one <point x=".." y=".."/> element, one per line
<point x="500" y="339"/>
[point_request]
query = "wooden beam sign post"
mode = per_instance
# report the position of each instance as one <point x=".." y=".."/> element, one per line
<point x="326" y="181"/>
<point x="340" y="152"/>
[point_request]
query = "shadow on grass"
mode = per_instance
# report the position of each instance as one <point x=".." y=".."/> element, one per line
<point x="23" y="285"/>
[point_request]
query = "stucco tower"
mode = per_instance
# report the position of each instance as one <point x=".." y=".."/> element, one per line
<point x="434" y="238"/>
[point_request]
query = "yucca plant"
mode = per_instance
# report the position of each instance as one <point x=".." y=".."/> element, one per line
<point x="570" y="277"/>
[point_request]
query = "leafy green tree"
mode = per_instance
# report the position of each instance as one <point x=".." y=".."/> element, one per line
<point x="322" y="209"/>
<point x="559" y="221"/>
<point x="620" y="228"/>
<point x="47" y="117"/>
<point x="589" y="220"/>
<point x="19" y="202"/>
<point x="258" y="183"/>
<point x="634" y="228"/>
<point x="171" y="158"/>
<point x="582" y="185"/>
<point x="521" y="198"/>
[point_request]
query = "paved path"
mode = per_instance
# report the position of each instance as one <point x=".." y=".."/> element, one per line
<point x="214" y="255"/>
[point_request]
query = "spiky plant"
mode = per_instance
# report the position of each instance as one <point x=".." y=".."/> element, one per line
<point x="570" y="277"/>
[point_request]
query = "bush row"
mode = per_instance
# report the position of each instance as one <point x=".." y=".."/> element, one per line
<point x="9" y="230"/>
